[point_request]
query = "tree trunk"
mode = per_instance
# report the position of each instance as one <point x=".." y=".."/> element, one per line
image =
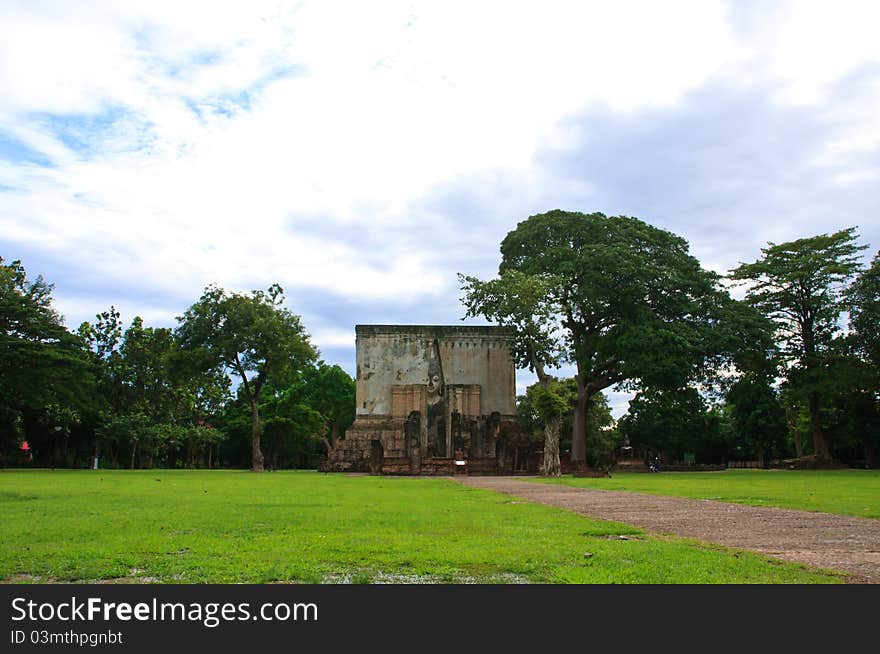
<point x="820" y="447"/>
<point x="334" y="433"/>
<point x="579" y="426"/>
<point x="133" y="452"/>
<point x="795" y="432"/>
<point x="256" y="452"/>
<point x="870" y="450"/>
<point x="552" y="467"/>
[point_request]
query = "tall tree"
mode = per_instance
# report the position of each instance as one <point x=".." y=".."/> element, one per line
<point x="542" y="402"/>
<point x="800" y="285"/>
<point x="864" y="307"/>
<point x="330" y="391"/>
<point x="253" y="337"/>
<point x="42" y="364"/>
<point x="862" y="393"/>
<point x="758" y="416"/>
<point x="104" y="338"/>
<point x="673" y="421"/>
<point x="630" y="306"/>
<point x="521" y="301"/>
<point x="145" y="356"/>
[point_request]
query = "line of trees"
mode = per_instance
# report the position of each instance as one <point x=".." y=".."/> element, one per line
<point x="792" y="369"/>
<point x="141" y="397"/>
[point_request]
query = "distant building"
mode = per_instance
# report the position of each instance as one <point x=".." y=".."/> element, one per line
<point x="434" y="400"/>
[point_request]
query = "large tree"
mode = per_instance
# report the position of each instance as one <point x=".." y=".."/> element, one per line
<point x="330" y="391"/>
<point x="43" y="367"/>
<point x="629" y="306"/>
<point x="253" y="337"/>
<point x="758" y="416"/>
<point x="861" y="393"/>
<point x="672" y="421"/>
<point x="864" y="307"/>
<point x="521" y="301"/>
<point x="800" y="286"/>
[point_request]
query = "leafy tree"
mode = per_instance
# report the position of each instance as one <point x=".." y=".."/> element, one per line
<point x="861" y="397"/>
<point x="330" y="391"/>
<point x="293" y="431"/>
<point x="521" y="301"/>
<point x="253" y="337"/>
<point x="556" y="400"/>
<point x="800" y="286"/>
<point x="144" y="360"/>
<point x="104" y="338"/>
<point x="600" y="437"/>
<point x="42" y="364"/>
<point x="625" y="302"/>
<point x="125" y="431"/>
<point x="758" y="416"/>
<point x="851" y="411"/>
<point x="673" y="421"/>
<point x="863" y="300"/>
<point x="40" y="360"/>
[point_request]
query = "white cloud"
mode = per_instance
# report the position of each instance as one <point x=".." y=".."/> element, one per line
<point x="818" y="43"/>
<point x="383" y="103"/>
<point x="233" y="121"/>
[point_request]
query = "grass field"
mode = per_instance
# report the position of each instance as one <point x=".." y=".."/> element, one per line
<point x="847" y="492"/>
<point x="236" y="526"/>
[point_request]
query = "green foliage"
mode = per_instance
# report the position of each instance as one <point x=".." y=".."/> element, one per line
<point x="801" y="286"/>
<point x="634" y="304"/>
<point x="760" y="426"/>
<point x="622" y="300"/>
<point x="851" y="407"/>
<point x="523" y="302"/>
<point x="253" y="337"/>
<point x="41" y="363"/>
<point x="329" y="391"/>
<point x="292" y="427"/>
<point x="541" y="403"/>
<point x="673" y="421"/>
<point x="552" y="401"/>
<point x="863" y="302"/>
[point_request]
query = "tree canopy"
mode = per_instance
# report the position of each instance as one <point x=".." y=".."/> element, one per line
<point x="253" y="337"/>
<point x="41" y="362"/>
<point x="863" y="302"/>
<point x="801" y="286"/>
<point x="624" y="301"/>
<point x="515" y="299"/>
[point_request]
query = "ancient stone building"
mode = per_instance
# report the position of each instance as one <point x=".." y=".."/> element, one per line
<point x="433" y="400"/>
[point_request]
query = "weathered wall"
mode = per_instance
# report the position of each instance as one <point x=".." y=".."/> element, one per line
<point x="433" y="400"/>
<point x="398" y="355"/>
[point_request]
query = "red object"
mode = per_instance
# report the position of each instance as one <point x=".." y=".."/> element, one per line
<point x="25" y="446"/>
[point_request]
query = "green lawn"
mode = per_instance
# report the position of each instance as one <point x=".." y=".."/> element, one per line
<point x="847" y="492"/>
<point x="236" y="526"/>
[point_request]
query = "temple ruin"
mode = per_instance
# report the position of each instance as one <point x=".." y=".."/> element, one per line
<point x="434" y="400"/>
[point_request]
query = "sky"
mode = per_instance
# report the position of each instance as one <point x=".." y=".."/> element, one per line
<point x="363" y="154"/>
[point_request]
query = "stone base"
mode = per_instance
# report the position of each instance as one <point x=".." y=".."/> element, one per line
<point x="377" y="445"/>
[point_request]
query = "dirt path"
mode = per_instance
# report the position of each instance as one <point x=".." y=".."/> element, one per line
<point x="847" y="544"/>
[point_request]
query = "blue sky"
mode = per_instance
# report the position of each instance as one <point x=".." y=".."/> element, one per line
<point x="362" y="154"/>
